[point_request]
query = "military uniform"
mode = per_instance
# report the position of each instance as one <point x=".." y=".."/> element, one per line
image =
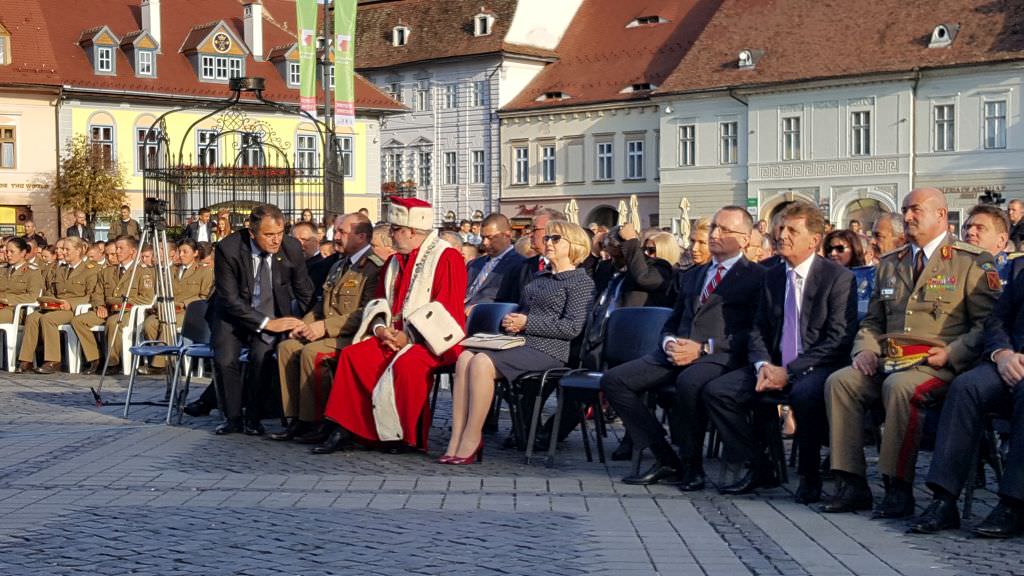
<point x="188" y="285"/>
<point x="21" y="285"/>
<point x="304" y="389"/>
<point x="73" y="285"/>
<point x="955" y="292"/>
<point x="109" y="293"/>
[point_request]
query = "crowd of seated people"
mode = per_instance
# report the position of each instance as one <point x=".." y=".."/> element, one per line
<point x="901" y="314"/>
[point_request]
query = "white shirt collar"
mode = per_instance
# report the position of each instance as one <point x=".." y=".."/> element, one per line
<point x="508" y="249"/>
<point x="358" y="255"/>
<point x="727" y="263"/>
<point x="803" y="269"/>
<point x="930" y="247"/>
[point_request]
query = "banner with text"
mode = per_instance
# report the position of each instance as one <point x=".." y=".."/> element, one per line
<point x="344" y="62"/>
<point x="306" y="18"/>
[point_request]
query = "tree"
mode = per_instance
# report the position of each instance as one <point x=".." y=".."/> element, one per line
<point x="88" y="180"/>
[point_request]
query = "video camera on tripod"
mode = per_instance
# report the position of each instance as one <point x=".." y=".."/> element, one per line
<point x="991" y="198"/>
<point x="155" y="211"/>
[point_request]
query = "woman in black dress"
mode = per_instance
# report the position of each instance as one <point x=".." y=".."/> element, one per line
<point x="553" y="310"/>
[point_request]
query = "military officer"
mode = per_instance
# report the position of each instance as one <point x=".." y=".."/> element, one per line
<point x="937" y="292"/>
<point x="64" y="289"/>
<point x="107" y="301"/>
<point x="988" y="228"/>
<point x="305" y="375"/>
<point x="189" y="282"/>
<point x="22" y="282"/>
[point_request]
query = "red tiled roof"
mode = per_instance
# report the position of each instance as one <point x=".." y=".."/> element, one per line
<point x="809" y="39"/>
<point x="599" y="56"/>
<point x="438" y="29"/>
<point x="45" y="35"/>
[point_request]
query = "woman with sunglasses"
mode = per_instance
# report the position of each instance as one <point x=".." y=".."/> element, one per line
<point x="553" y="309"/>
<point x="844" y="247"/>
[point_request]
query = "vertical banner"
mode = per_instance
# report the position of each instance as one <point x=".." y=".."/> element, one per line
<point x="306" y="18"/>
<point x="344" y="62"/>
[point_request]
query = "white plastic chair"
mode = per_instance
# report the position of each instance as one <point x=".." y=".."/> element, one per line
<point x="72" y="347"/>
<point x="131" y="327"/>
<point x="13" y="331"/>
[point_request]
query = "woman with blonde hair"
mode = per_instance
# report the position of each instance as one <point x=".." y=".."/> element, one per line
<point x="663" y="246"/>
<point x="553" y="309"/>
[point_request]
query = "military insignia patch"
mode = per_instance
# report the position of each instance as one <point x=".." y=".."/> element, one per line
<point x="993" y="280"/>
<point x="947" y="252"/>
<point x="988" y="266"/>
<point x="147" y="282"/>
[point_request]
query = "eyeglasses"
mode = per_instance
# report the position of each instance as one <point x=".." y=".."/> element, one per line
<point x="553" y="238"/>
<point x="724" y="231"/>
<point x="650" y="250"/>
<point x="836" y="248"/>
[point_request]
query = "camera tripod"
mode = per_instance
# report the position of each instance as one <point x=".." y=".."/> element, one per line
<point x="156" y="230"/>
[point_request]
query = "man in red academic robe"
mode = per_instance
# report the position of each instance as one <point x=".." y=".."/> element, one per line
<point x="394" y="360"/>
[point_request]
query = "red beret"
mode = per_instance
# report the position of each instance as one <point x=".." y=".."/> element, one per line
<point x="410" y="202"/>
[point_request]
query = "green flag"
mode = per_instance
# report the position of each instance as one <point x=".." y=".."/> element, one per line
<point x="306" y="18"/>
<point x="344" y="62"/>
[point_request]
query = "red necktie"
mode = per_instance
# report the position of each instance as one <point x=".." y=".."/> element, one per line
<point x="541" y="265"/>
<point x="710" y="286"/>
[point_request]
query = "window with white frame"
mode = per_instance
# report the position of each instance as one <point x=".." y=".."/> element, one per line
<point x="393" y="166"/>
<point x="477" y="97"/>
<point x="945" y="128"/>
<point x="144" y="63"/>
<point x="687" y="145"/>
<point x="450" y="96"/>
<point x="995" y="124"/>
<point x="479" y="167"/>
<point x="207" y="147"/>
<point x="522" y="165"/>
<point x="451" y="168"/>
<point x="305" y="154"/>
<point x="251" y="153"/>
<point x="728" y="142"/>
<point x="423" y="96"/>
<point x="400" y="35"/>
<point x="345" y="155"/>
<point x="147" y="150"/>
<point x="102" y="139"/>
<point x="294" y="74"/>
<point x="395" y="91"/>
<point x="104" y="59"/>
<point x="605" y="161"/>
<point x="5" y="49"/>
<point x="330" y="76"/>
<point x="634" y="159"/>
<point x="8" y="147"/>
<point x="425" y="161"/>
<point x="547" y="164"/>
<point x="220" y="67"/>
<point x="860" y="133"/>
<point x="791" y="138"/>
<point x="482" y="24"/>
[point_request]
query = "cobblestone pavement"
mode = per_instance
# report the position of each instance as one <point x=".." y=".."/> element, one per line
<point x="85" y="491"/>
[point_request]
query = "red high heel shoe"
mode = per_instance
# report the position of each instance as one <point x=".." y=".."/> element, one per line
<point x="476" y="456"/>
<point x="444" y="459"/>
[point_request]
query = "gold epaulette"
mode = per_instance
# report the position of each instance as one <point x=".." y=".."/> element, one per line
<point x="968" y="247"/>
<point x="895" y="251"/>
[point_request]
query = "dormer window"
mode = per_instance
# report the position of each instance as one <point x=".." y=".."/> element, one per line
<point x="638" y="87"/>
<point x="100" y="43"/>
<point x="294" y="77"/>
<point x="646" y="21"/>
<point x="747" y="59"/>
<point x="400" y="35"/>
<point x="104" y="59"/>
<point x="482" y="24"/>
<point x="553" y="95"/>
<point x="943" y="35"/>
<point x="220" y="67"/>
<point x="145" y="63"/>
<point x="216" y="52"/>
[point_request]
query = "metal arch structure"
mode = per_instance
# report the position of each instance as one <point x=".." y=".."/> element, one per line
<point x="261" y="168"/>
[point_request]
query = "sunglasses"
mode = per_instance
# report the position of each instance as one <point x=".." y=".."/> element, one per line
<point x="553" y="238"/>
<point x="650" y="250"/>
<point x="837" y="248"/>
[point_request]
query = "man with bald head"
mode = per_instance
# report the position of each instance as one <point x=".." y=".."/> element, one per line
<point x="494" y="277"/>
<point x="924" y="325"/>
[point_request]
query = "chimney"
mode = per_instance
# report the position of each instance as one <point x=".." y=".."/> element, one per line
<point x="253" y="17"/>
<point x="151" y="19"/>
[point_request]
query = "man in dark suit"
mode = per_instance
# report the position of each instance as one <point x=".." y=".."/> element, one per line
<point x="260" y="278"/>
<point x="494" y="277"/>
<point x="203" y="229"/>
<point x="996" y="385"/>
<point x="80" y="229"/>
<point x="704" y="338"/>
<point x="804" y="329"/>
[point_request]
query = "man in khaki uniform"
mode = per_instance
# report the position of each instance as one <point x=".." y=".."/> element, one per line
<point x="106" y="300"/>
<point x="65" y="288"/>
<point x="189" y="282"/>
<point x="302" y="359"/>
<point x="930" y="299"/>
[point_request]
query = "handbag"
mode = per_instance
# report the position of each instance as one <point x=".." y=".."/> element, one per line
<point x="493" y="342"/>
<point x="439" y="331"/>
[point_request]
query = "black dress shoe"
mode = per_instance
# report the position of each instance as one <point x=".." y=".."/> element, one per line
<point x="658" y="473"/>
<point x="940" y="515"/>
<point x="756" y="477"/>
<point x="152" y="370"/>
<point x="851" y="496"/>
<point x="898" y="502"/>
<point x="337" y="440"/>
<point x="229" y="427"/>
<point x="288" y="433"/>
<point x="253" y="428"/>
<point x="809" y="491"/>
<point x="1003" y="522"/>
<point x="693" y="480"/>
<point x="316" y="434"/>
<point x="93" y="367"/>
<point x="197" y="409"/>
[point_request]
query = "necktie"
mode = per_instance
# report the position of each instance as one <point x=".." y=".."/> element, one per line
<point x="479" y="280"/>
<point x="265" y="299"/>
<point x="790" y="323"/>
<point x="710" y="286"/>
<point x="181" y="271"/>
<point x="541" y="265"/>
<point x="918" y="264"/>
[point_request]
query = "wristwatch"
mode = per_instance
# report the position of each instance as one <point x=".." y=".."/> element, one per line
<point x="706" y="348"/>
